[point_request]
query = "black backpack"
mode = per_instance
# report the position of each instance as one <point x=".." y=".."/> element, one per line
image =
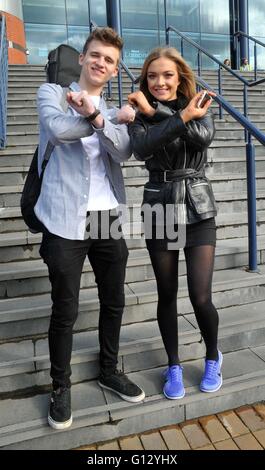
<point x="62" y="66"/>
<point x="32" y="185"/>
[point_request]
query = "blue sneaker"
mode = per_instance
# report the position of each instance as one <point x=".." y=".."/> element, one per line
<point x="212" y="377"/>
<point x="174" y="388"/>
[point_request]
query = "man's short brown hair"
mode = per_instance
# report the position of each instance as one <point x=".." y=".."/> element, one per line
<point x="106" y="35"/>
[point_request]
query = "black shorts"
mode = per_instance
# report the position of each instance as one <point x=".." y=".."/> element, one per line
<point x="200" y="233"/>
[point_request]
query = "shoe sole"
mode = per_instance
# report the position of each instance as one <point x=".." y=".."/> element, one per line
<point x="174" y="398"/>
<point x="57" y="425"/>
<point x="124" y="397"/>
<point x="219" y="386"/>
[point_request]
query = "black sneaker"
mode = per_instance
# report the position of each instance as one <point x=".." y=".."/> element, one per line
<point x="119" y="383"/>
<point x="60" y="414"/>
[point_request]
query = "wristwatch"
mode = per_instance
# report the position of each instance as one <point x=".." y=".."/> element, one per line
<point x="92" y="116"/>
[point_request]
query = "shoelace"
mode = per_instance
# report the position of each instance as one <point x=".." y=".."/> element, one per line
<point x="211" y="368"/>
<point x="175" y="373"/>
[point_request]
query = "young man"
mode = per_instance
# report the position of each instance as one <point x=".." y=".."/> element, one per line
<point x="82" y="180"/>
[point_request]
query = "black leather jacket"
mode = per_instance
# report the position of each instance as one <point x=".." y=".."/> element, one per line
<point x="175" y="155"/>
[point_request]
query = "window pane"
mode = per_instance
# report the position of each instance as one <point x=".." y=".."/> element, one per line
<point x="184" y="15"/>
<point x="41" y="39"/>
<point x="218" y="45"/>
<point x="215" y="16"/>
<point x="142" y="14"/>
<point x="256" y="17"/>
<point x="77" y="12"/>
<point x="77" y="37"/>
<point x="44" y="11"/>
<point x="260" y="54"/>
<point x="98" y="12"/>
<point x="137" y="46"/>
<point x="189" y="52"/>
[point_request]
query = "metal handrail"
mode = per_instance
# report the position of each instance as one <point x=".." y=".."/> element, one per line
<point x="250" y="130"/>
<point x="238" y="35"/>
<point x="3" y="80"/>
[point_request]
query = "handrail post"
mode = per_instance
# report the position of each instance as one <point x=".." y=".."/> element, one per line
<point x="255" y="60"/>
<point x="245" y="104"/>
<point x="89" y="16"/>
<point x="252" y="218"/>
<point x="166" y="23"/>
<point x="181" y="47"/>
<point x="109" y="84"/>
<point x="220" y="91"/>
<point x="120" y="88"/>
<point x="199" y="63"/>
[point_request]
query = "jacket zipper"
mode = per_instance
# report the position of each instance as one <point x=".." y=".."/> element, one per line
<point x="152" y="190"/>
<point x="183" y="221"/>
<point x="199" y="184"/>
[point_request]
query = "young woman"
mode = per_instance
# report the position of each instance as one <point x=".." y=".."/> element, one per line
<point x="171" y="133"/>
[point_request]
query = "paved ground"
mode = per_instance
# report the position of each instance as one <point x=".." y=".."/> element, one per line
<point x="239" y="429"/>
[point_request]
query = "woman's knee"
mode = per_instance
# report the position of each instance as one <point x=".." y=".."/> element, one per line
<point x="200" y="300"/>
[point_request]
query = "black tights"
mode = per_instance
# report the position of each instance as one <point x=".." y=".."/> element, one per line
<point x="200" y="262"/>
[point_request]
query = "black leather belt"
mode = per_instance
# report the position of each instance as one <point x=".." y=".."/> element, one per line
<point x="168" y="176"/>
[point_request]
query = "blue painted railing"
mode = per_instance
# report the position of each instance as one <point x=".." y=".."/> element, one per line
<point x="3" y="80"/>
<point x="237" y="37"/>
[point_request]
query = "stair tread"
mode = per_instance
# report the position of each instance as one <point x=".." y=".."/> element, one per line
<point x="242" y="371"/>
<point x="136" y="292"/>
<point x="25" y="237"/>
<point x="13" y="269"/>
<point x="135" y="338"/>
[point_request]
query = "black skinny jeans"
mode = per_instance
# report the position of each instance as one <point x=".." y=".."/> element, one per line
<point x="65" y="259"/>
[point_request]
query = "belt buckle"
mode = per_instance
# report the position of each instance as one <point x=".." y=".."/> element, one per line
<point x="165" y="177"/>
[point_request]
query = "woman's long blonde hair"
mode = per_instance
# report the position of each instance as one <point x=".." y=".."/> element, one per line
<point x="187" y="84"/>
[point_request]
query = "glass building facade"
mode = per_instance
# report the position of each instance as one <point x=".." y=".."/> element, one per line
<point x="51" y="22"/>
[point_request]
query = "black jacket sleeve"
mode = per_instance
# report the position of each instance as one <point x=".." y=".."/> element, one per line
<point x="200" y="132"/>
<point x="148" y="136"/>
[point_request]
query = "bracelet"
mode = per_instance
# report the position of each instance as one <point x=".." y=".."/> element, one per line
<point x="92" y="116"/>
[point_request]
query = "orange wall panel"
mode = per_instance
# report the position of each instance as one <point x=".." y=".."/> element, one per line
<point x="16" y="34"/>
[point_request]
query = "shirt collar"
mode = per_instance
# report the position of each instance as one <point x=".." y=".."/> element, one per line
<point x="76" y="87"/>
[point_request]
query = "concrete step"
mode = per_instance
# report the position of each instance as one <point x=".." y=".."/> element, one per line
<point x="23" y="126"/>
<point x="236" y="133"/>
<point x="18" y="111"/>
<point x="12" y="180"/>
<point x="30" y="277"/>
<point x="24" y="420"/>
<point x="221" y="183"/>
<point x="22" y="245"/>
<point x="25" y="364"/>
<point x="140" y="339"/>
<point x="30" y="137"/>
<point x="11" y="220"/>
<point x="223" y="129"/>
<point x="220" y="165"/>
<point x="232" y="148"/>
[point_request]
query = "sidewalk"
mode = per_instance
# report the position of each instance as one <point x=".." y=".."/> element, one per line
<point x="239" y="429"/>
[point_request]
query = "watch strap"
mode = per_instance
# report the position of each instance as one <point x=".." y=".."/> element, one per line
<point x="92" y="116"/>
